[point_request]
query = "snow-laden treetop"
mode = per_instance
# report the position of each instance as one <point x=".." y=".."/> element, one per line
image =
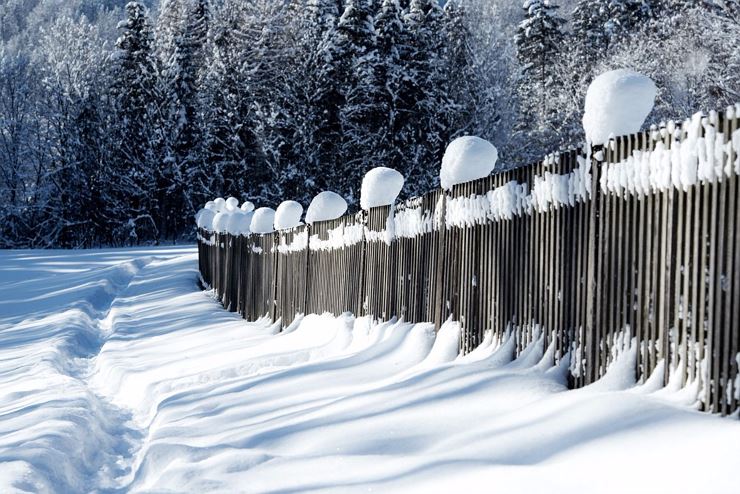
<point x="467" y="158"/>
<point x="326" y="206"/>
<point x="380" y="187"/>
<point x="617" y="103"/>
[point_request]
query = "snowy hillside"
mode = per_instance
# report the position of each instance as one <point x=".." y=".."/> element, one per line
<point x="118" y="374"/>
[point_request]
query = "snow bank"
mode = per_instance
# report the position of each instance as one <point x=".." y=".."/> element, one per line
<point x="96" y="395"/>
<point x="247" y="207"/>
<point x="263" y="221"/>
<point x="617" y="103"/>
<point x="467" y="158"/>
<point x="288" y="215"/>
<point x="326" y="206"/>
<point x="380" y="187"/>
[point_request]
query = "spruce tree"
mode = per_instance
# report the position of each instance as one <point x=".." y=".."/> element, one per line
<point x="539" y="42"/>
<point x="135" y="123"/>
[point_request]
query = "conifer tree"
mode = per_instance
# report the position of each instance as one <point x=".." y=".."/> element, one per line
<point x="539" y="42"/>
<point x="135" y="124"/>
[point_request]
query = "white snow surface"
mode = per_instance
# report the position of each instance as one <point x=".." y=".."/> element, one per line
<point x="117" y="374"/>
<point x="232" y="204"/>
<point x="380" y="187"/>
<point x="617" y="103"/>
<point x="239" y="222"/>
<point x="247" y="206"/>
<point x="220" y="204"/>
<point x="325" y="206"/>
<point x="467" y="158"/>
<point x="221" y="222"/>
<point x="263" y="221"/>
<point x="288" y="215"/>
<point x="205" y="219"/>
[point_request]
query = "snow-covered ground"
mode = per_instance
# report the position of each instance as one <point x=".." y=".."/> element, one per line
<point x="118" y="374"/>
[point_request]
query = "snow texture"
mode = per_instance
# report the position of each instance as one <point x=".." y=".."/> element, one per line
<point x="123" y="377"/>
<point x="617" y="103"/>
<point x="221" y="222"/>
<point x="698" y="154"/>
<point x="220" y="204"/>
<point x="380" y="187"/>
<point x="325" y="206"/>
<point x="467" y="158"/>
<point x="263" y="221"/>
<point x="288" y="215"/>
<point x="232" y="204"/>
<point x="239" y="223"/>
<point x="205" y="219"/>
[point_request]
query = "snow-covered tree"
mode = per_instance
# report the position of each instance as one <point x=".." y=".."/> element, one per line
<point x="135" y="126"/>
<point x="540" y="42"/>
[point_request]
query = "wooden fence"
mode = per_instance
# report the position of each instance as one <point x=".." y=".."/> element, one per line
<point x="635" y="242"/>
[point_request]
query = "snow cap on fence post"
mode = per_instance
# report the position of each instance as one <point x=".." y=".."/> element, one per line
<point x="288" y="215"/>
<point x="219" y="204"/>
<point x="263" y="220"/>
<point x="326" y="206"/>
<point x="236" y="222"/>
<point x="380" y="187"/>
<point x="247" y="207"/>
<point x="617" y="103"/>
<point x="221" y="222"/>
<point x="204" y="219"/>
<point x="210" y="205"/>
<point x="467" y="158"/>
<point x="232" y="204"/>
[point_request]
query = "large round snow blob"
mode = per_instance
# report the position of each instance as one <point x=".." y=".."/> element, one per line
<point x="245" y="224"/>
<point x="247" y="207"/>
<point x="219" y="204"/>
<point x="205" y="219"/>
<point x="263" y="220"/>
<point x="617" y="103"/>
<point x="380" y="187"/>
<point x="326" y="206"/>
<point x="467" y="158"/>
<point x="221" y="222"/>
<point x="234" y="224"/>
<point x="288" y="215"/>
<point x="232" y="204"/>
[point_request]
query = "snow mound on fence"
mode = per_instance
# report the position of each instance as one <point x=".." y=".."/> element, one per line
<point x="204" y="219"/>
<point x="232" y="204"/>
<point x="288" y="215"/>
<point x="467" y="158"/>
<point x="247" y="207"/>
<point x="219" y="204"/>
<point x="221" y="222"/>
<point x="326" y="206"/>
<point x="263" y="221"/>
<point x="617" y="103"/>
<point x="239" y="223"/>
<point x="380" y="187"/>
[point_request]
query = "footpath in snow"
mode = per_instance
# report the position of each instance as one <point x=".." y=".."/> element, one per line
<point x="117" y="374"/>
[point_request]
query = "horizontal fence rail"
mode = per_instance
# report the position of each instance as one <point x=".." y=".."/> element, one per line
<point x="633" y="246"/>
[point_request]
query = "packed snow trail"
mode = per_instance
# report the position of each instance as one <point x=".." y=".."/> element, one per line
<point x="120" y="375"/>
